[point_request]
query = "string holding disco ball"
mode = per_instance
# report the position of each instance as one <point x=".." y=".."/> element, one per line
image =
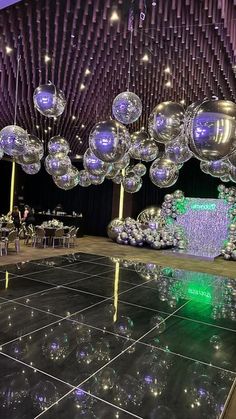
<point x="31" y="169"/>
<point x="127" y="107"/>
<point x="163" y="173"/>
<point x="94" y="165"/>
<point x="109" y="140"/>
<point x="69" y="180"/>
<point x="166" y="121"/>
<point x="49" y="100"/>
<point x="57" y="164"/>
<point x="58" y="144"/>
<point x="13" y="140"/>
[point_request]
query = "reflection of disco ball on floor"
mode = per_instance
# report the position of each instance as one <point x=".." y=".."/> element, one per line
<point x="151" y="216"/>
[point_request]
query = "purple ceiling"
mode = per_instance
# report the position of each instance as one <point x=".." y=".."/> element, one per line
<point x="196" y="39"/>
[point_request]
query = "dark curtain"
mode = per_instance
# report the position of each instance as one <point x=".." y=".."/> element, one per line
<point x="192" y="181"/>
<point x="5" y="183"/>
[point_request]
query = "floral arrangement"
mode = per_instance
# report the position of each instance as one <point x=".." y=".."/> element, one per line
<point x="52" y="223"/>
<point x="5" y="219"/>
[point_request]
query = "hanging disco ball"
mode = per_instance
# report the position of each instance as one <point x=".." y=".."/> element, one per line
<point x="139" y="169"/>
<point x="127" y="107"/>
<point x="31" y="169"/>
<point x="232" y="173"/>
<point x="69" y="180"/>
<point x="118" y="179"/>
<point x="57" y="164"/>
<point x="13" y="140"/>
<point x="49" y="100"/>
<point x="165" y="121"/>
<point x="204" y="166"/>
<point x="163" y="173"/>
<point x="122" y="163"/>
<point x="109" y="140"/>
<point x="58" y="144"/>
<point x="112" y="173"/>
<point x="178" y="151"/>
<point x="96" y="179"/>
<point x="213" y="130"/>
<point x="94" y="165"/>
<point x="218" y="168"/>
<point x="132" y="183"/>
<point x="232" y="159"/>
<point x="34" y="151"/>
<point x="143" y="147"/>
<point x="83" y="178"/>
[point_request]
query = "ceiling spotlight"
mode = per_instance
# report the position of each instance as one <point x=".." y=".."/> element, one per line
<point x="182" y="102"/>
<point x="167" y="70"/>
<point x="145" y="58"/>
<point x="82" y="126"/>
<point x="82" y="86"/>
<point x="45" y="130"/>
<point x="114" y="16"/>
<point x="47" y="58"/>
<point x="154" y="3"/>
<point x="49" y="128"/>
<point x="37" y="126"/>
<point x="8" y="50"/>
<point x="168" y="83"/>
<point x="87" y="72"/>
<point x="73" y="117"/>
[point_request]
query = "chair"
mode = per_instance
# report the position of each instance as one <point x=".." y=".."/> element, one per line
<point x="59" y="236"/>
<point x="13" y="238"/>
<point x="2" y="244"/>
<point x="29" y="234"/>
<point x="71" y="237"/>
<point x="39" y="237"/>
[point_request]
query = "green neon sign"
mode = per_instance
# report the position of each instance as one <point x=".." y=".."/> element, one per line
<point x="203" y="207"/>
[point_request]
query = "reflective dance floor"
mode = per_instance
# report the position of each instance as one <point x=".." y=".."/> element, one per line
<point x="85" y="336"/>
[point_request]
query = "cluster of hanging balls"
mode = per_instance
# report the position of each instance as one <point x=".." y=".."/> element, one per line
<point x="206" y="131"/>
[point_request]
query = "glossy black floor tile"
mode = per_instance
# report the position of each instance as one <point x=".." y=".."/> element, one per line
<point x="80" y="404"/>
<point x="61" y="301"/>
<point x="67" y="350"/>
<point x="57" y="276"/>
<point x="24" y="392"/>
<point x="5" y="276"/>
<point x="17" y="320"/>
<point x="22" y="268"/>
<point x="201" y="342"/>
<point x="127" y="275"/>
<point x="19" y="286"/>
<point x="156" y="384"/>
<point x="66" y="259"/>
<point x="90" y="268"/>
<point x="120" y="318"/>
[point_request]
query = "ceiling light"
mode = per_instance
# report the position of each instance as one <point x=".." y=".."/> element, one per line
<point x="45" y="130"/>
<point x="8" y="50"/>
<point x="82" y="126"/>
<point x="145" y="58"/>
<point x="182" y="102"/>
<point x="114" y="16"/>
<point x="49" y="128"/>
<point x="46" y="58"/>
<point x="167" y="70"/>
<point x="73" y="117"/>
<point x="87" y="72"/>
<point x="168" y="83"/>
<point x="82" y="86"/>
<point x="37" y="126"/>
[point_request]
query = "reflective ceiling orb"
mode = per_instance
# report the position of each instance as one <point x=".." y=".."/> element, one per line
<point x="96" y="179"/>
<point x="69" y="180"/>
<point x="122" y="163"/>
<point x="57" y="164"/>
<point x="218" y="168"/>
<point x="112" y="173"/>
<point x="178" y="151"/>
<point x="132" y="183"/>
<point x="136" y="139"/>
<point x="163" y="173"/>
<point x="232" y="174"/>
<point x="118" y="179"/>
<point x="109" y="140"/>
<point x="127" y="107"/>
<point x="149" y="150"/>
<point x="165" y="121"/>
<point x="204" y="166"/>
<point x="232" y="159"/>
<point x="31" y="169"/>
<point x="49" y="100"/>
<point x="213" y="130"/>
<point x="58" y="144"/>
<point x="13" y="140"/>
<point x="114" y="228"/>
<point x="140" y="169"/>
<point x="94" y="165"/>
<point x="142" y="147"/>
<point x="34" y="151"/>
<point x="83" y="178"/>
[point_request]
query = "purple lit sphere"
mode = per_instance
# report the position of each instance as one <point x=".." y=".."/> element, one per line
<point x="94" y="165"/>
<point x="58" y="144"/>
<point x="49" y="100"/>
<point x="13" y="140"/>
<point x="127" y="107"/>
<point x="163" y="173"/>
<point x="57" y="164"/>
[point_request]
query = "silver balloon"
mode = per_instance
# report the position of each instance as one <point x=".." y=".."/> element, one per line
<point x="225" y="178"/>
<point x="13" y="140"/>
<point x="69" y="180"/>
<point x="142" y="147"/>
<point x="132" y="183"/>
<point x="149" y="150"/>
<point x="213" y="130"/>
<point x="165" y="121"/>
<point x="232" y="159"/>
<point x="139" y="169"/>
<point x="163" y="173"/>
<point x="34" y="151"/>
<point x="151" y="216"/>
<point x="84" y="179"/>
<point x="57" y="164"/>
<point x="94" y="165"/>
<point x="118" y="179"/>
<point x="204" y="166"/>
<point x="112" y="173"/>
<point x="58" y="144"/>
<point x="96" y="179"/>
<point x="218" y="168"/>
<point x="127" y="107"/>
<point x="232" y="173"/>
<point x="49" y="100"/>
<point x="122" y="163"/>
<point x="31" y="169"/>
<point x="178" y="151"/>
<point x="114" y="228"/>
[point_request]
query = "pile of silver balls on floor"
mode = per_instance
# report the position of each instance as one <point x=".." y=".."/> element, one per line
<point x="229" y="194"/>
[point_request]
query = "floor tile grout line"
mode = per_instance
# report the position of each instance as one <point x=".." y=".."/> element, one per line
<point x="30" y="295"/>
<point x="231" y="391"/>
<point x="55" y="403"/>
